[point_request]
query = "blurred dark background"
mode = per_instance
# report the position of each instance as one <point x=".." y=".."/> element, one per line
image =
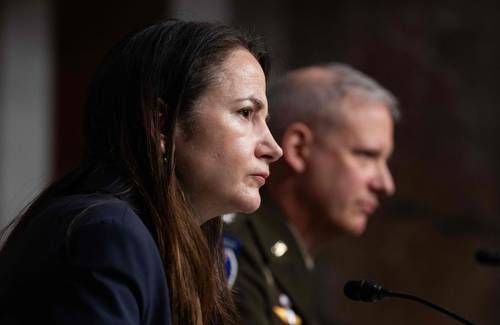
<point x="440" y="58"/>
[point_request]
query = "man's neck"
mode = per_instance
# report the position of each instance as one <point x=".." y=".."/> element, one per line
<point x="297" y="214"/>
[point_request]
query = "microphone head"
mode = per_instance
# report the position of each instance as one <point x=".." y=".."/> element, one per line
<point x="362" y="290"/>
<point x="487" y="257"/>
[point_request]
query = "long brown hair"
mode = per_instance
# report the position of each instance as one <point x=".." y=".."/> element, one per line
<point x="145" y="86"/>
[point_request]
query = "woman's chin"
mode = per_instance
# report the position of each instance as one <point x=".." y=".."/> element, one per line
<point x="249" y="204"/>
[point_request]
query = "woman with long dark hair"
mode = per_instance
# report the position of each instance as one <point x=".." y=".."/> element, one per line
<point x="176" y="135"/>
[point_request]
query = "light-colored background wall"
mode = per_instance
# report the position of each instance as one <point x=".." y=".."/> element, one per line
<point x="26" y="80"/>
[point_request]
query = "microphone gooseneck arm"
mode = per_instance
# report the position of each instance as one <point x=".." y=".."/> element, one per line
<point x="370" y="292"/>
<point x="429" y="304"/>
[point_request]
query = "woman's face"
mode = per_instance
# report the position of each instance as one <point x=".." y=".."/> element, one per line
<point x="223" y="157"/>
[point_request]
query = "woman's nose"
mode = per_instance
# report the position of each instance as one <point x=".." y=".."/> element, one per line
<point x="269" y="149"/>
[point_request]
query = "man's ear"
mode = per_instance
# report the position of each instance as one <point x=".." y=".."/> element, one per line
<point x="296" y="144"/>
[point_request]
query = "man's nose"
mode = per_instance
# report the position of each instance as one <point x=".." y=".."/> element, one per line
<point x="384" y="182"/>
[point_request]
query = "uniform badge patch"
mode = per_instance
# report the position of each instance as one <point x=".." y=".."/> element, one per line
<point x="231" y="249"/>
<point x="231" y="265"/>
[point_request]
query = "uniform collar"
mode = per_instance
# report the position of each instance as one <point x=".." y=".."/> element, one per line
<point x="283" y="254"/>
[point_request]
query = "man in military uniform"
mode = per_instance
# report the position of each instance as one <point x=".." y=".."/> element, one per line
<point x="335" y="126"/>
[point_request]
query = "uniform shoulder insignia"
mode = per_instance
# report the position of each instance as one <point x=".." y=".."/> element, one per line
<point x="231" y="251"/>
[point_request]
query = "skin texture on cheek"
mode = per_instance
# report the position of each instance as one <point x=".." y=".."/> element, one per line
<point x="328" y="186"/>
<point x="215" y="167"/>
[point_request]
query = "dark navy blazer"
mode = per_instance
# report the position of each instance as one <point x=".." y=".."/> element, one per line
<point x="85" y="259"/>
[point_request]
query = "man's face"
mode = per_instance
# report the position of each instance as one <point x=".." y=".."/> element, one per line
<point x="347" y="168"/>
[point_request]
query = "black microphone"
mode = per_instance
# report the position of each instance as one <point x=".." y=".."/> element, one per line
<point x="487" y="257"/>
<point x="370" y="292"/>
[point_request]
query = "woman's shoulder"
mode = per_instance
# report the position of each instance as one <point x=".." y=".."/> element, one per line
<point x="95" y="241"/>
<point x="85" y="219"/>
<point x="110" y="239"/>
<point x="102" y="210"/>
<point x="96" y="208"/>
<point x="103" y="225"/>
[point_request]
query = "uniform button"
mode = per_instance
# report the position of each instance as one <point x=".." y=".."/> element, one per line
<point x="279" y="248"/>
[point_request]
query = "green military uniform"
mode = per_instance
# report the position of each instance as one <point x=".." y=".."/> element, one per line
<point x="269" y="272"/>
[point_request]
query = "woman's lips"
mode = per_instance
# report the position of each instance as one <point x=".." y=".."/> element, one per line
<point x="260" y="178"/>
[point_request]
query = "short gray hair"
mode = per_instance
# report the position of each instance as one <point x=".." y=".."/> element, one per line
<point x="294" y="98"/>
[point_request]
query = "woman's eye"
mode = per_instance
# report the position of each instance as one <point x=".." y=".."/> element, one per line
<point x="245" y="112"/>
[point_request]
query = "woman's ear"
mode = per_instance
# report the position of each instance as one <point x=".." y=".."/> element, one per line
<point x="162" y="115"/>
<point x="296" y="144"/>
<point x="162" y="144"/>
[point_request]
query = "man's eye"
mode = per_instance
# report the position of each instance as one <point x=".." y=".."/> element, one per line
<point x="367" y="154"/>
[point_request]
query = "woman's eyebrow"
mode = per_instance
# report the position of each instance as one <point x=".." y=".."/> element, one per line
<point x="257" y="102"/>
<point x="259" y="105"/>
